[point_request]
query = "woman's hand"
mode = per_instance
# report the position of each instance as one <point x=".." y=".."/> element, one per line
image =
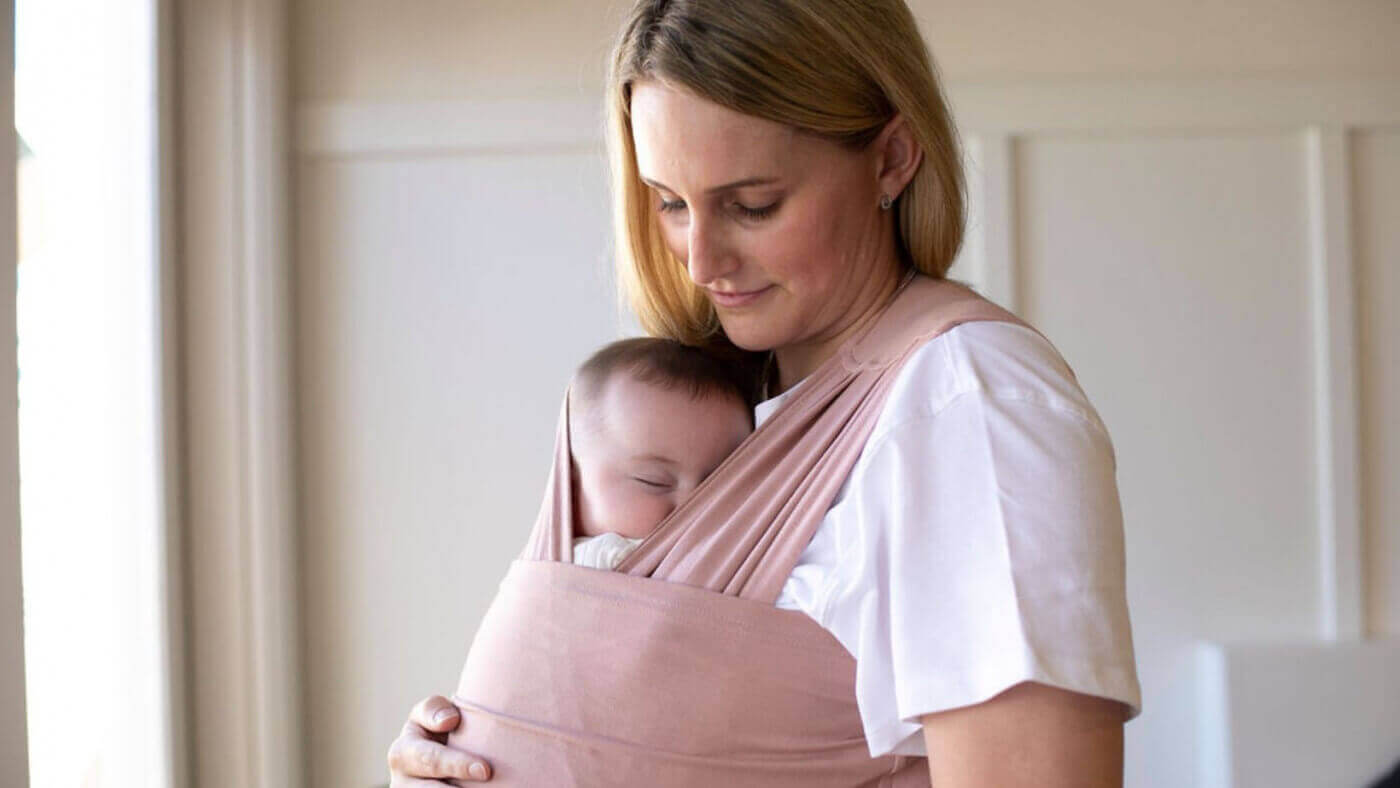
<point x="421" y="750"/>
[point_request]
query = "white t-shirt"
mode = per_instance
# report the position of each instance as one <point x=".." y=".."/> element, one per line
<point x="978" y="541"/>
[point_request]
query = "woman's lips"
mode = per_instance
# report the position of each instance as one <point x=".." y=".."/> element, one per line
<point x="735" y="299"/>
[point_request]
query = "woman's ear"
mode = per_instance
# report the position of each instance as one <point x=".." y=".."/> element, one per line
<point x="898" y="156"/>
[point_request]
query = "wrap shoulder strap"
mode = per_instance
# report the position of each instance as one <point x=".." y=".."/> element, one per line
<point x="743" y="529"/>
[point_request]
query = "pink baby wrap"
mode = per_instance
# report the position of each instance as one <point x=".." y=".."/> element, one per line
<point x="676" y="669"/>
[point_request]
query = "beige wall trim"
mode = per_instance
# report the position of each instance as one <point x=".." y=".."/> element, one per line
<point x="1336" y="383"/>
<point x="239" y="537"/>
<point x="177" y="734"/>
<point x="1168" y="105"/>
<point x="1052" y="106"/>
<point x="1212" y="734"/>
<point x="994" y="156"/>
<point x="14" y="740"/>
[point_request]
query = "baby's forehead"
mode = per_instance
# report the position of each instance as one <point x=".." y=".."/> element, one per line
<point x="635" y="386"/>
<point x="636" y="418"/>
<point x="650" y="417"/>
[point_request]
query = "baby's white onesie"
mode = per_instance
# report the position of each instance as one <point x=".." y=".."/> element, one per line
<point x="604" y="551"/>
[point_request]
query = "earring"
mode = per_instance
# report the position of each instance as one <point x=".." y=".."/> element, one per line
<point x="885" y="202"/>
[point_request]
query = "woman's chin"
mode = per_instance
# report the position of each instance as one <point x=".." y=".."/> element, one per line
<point x="751" y="334"/>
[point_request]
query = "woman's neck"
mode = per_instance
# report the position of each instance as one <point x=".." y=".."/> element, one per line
<point x="797" y="361"/>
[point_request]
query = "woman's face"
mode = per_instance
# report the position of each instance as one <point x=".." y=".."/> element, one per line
<point x="782" y="229"/>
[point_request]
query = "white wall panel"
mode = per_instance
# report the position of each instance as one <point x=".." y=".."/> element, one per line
<point x="987" y="260"/>
<point x="1193" y="247"/>
<point x="1171" y="268"/>
<point x="443" y="303"/>
<point x="1171" y="272"/>
<point x="1376" y="207"/>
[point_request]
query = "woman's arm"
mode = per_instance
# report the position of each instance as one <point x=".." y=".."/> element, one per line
<point x="1029" y="735"/>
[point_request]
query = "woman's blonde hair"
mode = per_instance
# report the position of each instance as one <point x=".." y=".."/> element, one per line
<point x="838" y="69"/>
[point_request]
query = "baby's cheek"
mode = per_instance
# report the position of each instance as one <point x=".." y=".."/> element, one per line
<point x="641" y="515"/>
<point x="585" y="508"/>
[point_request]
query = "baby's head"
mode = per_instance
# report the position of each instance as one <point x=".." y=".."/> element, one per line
<point x="649" y="419"/>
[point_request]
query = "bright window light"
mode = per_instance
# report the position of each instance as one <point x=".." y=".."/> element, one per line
<point x="90" y="442"/>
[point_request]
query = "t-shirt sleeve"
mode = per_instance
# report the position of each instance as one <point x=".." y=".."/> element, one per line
<point x="990" y="552"/>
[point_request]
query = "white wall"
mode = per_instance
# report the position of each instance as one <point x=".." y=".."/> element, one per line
<point x="444" y="300"/>
<point x="1142" y="194"/>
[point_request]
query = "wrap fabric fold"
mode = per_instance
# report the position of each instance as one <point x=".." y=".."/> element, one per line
<point x="676" y="669"/>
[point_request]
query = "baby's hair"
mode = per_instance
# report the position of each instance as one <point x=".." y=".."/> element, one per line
<point x="666" y="363"/>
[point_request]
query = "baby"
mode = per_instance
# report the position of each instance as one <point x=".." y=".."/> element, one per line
<point x="648" y="420"/>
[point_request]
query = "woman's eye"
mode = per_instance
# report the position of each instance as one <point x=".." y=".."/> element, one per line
<point x="668" y="206"/>
<point x="756" y="213"/>
<point x="651" y="483"/>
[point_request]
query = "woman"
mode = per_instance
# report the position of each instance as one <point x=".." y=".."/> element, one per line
<point x="780" y="167"/>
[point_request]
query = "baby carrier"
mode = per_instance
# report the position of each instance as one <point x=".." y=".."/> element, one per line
<point x="676" y="669"/>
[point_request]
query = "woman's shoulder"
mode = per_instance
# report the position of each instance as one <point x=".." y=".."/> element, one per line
<point x="994" y="359"/>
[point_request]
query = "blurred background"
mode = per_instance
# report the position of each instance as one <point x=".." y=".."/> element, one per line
<point x="300" y="282"/>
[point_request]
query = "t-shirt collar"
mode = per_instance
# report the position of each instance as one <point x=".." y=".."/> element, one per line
<point x="763" y="410"/>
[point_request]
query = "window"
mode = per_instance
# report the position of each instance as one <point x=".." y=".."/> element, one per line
<point x="91" y="495"/>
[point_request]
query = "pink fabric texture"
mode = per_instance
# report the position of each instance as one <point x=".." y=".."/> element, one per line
<point x="676" y="669"/>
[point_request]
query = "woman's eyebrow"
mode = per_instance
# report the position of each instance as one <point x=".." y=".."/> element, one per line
<point x="654" y="458"/>
<point x="758" y="180"/>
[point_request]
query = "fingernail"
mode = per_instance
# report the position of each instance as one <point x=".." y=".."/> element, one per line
<point x="478" y="771"/>
<point x="443" y="716"/>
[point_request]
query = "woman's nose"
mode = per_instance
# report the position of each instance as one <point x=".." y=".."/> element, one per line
<point x="707" y="257"/>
